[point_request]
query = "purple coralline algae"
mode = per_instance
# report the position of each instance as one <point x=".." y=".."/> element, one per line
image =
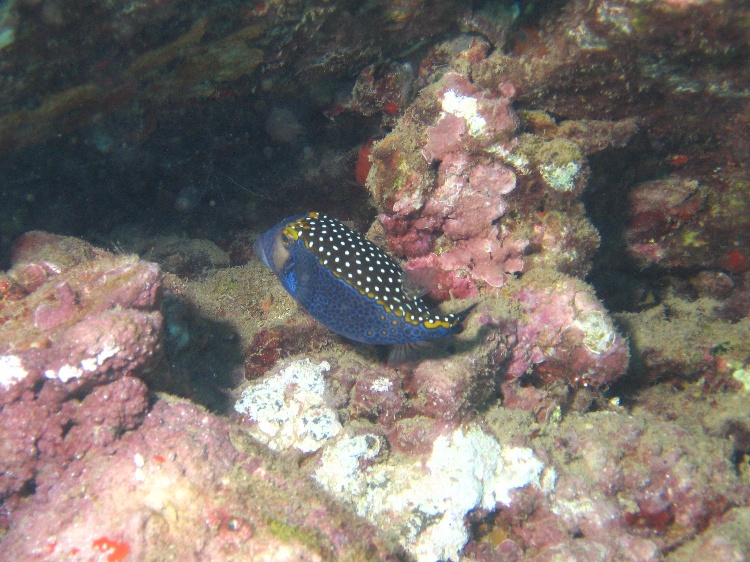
<point x="464" y="195"/>
<point x="459" y="210"/>
<point x="71" y="346"/>
<point x="680" y="222"/>
<point x="152" y="495"/>
<point x="116" y="473"/>
<point x="565" y="333"/>
<point x="577" y="171"/>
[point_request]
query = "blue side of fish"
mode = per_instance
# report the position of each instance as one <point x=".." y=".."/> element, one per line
<point x="349" y="284"/>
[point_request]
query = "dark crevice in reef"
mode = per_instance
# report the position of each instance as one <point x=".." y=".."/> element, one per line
<point x="219" y="168"/>
<point x="619" y="282"/>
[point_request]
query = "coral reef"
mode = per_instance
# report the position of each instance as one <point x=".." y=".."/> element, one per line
<point x="688" y="340"/>
<point x="575" y="171"/>
<point x="463" y="195"/>
<point x="623" y="496"/>
<point x="678" y="222"/>
<point x="95" y="467"/>
<point x="632" y="485"/>
<point x="424" y="500"/>
<point x="637" y="475"/>
<point x="565" y="333"/>
<point x="153" y="497"/>
<point x="291" y="400"/>
<point x="73" y="340"/>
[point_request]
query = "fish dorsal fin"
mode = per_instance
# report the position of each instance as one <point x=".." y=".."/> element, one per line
<point x="416" y="283"/>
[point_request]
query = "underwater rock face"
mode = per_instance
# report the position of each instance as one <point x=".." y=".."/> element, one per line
<point x="528" y="437"/>
<point x="630" y="484"/>
<point x="188" y="485"/>
<point x="111" y="472"/>
<point x="72" y="347"/>
<point x="463" y="196"/>
<point x="205" y="53"/>
<point x="689" y="341"/>
<point x="565" y="334"/>
<point x="398" y="432"/>
<point x="635" y="482"/>
<point x="678" y="222"/>
<point x="416" y="484"/>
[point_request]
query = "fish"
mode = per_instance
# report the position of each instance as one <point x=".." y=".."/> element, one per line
<point x="349" y="284"/>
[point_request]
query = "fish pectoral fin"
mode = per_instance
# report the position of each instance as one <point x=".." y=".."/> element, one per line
<point x="298" y="281"/>
<point x="405" y="353"/>
<point x="290" y="282"/>
<point x="416" y="283"/>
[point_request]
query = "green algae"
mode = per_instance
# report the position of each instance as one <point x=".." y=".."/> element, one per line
<point x="743" y="375"/>
<point x="289" y="533"/>
<point x="227" y="285"/>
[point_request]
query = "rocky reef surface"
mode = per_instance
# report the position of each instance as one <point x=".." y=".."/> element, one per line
<point x="578" y="170"/>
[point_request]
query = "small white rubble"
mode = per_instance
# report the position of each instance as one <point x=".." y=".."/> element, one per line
<point x="11" y="370"/>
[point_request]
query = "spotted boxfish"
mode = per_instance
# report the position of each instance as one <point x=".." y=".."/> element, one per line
<point x="349" y="284"/>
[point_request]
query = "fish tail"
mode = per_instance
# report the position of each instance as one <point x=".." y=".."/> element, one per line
<point x="459" y="319"/>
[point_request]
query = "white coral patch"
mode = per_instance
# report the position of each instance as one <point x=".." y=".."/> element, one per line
<point x="518" y="161"/>
<point x="139" y="462"/>
<point x="383" y="384"/>
<point x="92" y="363"/>
<point x="11" y="370"/>
<point x="64" y="373"/>
<point x="466" y="108"/>
<point x="290" y="409"/>
<point x="598" y="333"/>
<point x="425" y="501"/>
<point x="560" y="177"/>
<point x="743" y="375"/>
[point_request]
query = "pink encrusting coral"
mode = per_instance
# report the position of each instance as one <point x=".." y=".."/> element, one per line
<point x="454" y="217"/>
<point x="565" y="333"/>
<point x="462" y="195"/>
<point x="186" y="484"/>
<point x="69" y="351"/>
<point x="94" y="467"/>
